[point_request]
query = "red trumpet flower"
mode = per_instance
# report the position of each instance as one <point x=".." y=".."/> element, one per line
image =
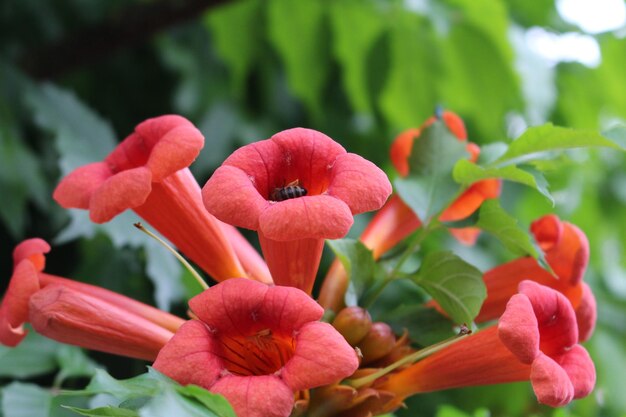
<point x="295" y="189"/>
<point x="77" y="313"/>
<point x="536" y="339"/>
<point x="148" y="173"/>
<point x="256" y="345"/>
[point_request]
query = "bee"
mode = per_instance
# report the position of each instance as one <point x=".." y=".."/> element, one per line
<point x="291" y="190"/>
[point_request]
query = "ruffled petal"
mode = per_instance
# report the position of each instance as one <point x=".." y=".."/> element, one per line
<point x="256" y="396"/>
<point x="322" y="356"/>
<point x="359" y="183"/>
<point x="124" y="190"/>
<point x="586" y="314"/>
<point x="231" y="196"/>
<point x="153" y="129"/>
<point x="555" y="317"/>
<point x="288" y="309"/>
<point x="24" y="283"/>
<point x="517" y="329"/>
<point x="580" y="369"/>
<point x="176" y="150"/>
<point x="550" y="382"/>
<point x="76" y="189"/>
<point x="320" y="216"/>
<point x="189" y="357"/>
<point x="309" y="156"/>
<point x="33" y="250"/>
<point x="233" y="306"/>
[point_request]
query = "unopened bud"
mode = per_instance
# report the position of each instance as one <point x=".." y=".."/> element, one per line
<point x="378" y="342"/>
<point x="353" y="323"/>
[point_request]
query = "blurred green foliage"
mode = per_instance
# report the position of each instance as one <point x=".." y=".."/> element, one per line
<point x="357" y="70"/>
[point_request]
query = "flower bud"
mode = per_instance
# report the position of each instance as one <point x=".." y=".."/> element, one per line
<point x="378" y="342"/>
<point x="353" y="323"/>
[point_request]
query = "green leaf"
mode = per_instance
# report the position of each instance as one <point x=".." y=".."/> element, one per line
<point x="430" y="187"/>
<point x="169" y="403"/>
<point x="25" y="400"/>
<point x="478" y="34"/>
<point x="73" y="363"/>
<point x="409" y="94"/>
<point x="358" y="262"/>
<point x="296" y="30"/>
<point x="356" y="26"/>
<point x="457" y="286"/>
<point x="467" y="173"/>
<point x="214" y="402"/>
<point x="617" y="134"/>
<point x="81" y="136"/>
<point x="497" y="222"/>
<point x="36" y="355"/>
<point x="537" y="141"/>
<point x="237" y="30"/>
<point x="143" y="385"/>
<point x="104" y="411"/>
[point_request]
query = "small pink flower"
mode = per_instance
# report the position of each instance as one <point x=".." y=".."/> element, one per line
<point x="148" y="173"/>
<point x="257" y="346"/>
<point x="536" y="339"/>
<point x="242" y="192"/>
<point x="53" y="303"/>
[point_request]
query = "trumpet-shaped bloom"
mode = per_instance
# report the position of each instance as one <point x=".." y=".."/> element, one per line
<point x="245" y="191"/>
<point x="396" y="221"/>
<point x="28" y="280"/>
<point x="566" y="250"/>
<point x="535" y="339"/>
<point x="148" y="173"/>
<point x="76" y="318"/>
<point x="256" y="345"/>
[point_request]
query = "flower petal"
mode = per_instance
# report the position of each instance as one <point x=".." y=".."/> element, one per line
<point x="550" y="382"/>
<point x="319" y="216"/>
<point x="33" y="250"/>
<point x="309" y="155"/>
<point x="322" y="356"/>
<point x="359" y="183"/>
<point x="555" y="317"/>
<point x="256" y="396"/>
<point x="468" y="202"/>
<point x="517" y="329"/>
<point x="176" y="150"/>
<point x="124" y="190"/>
<point x="188" y="357"/>
<point x="76" y="189"/>
<point x="586" y="314"/>
<point x="288" y="309"/>
<point x="580" y="369"/>
<point x="231" y="196"/>
<point x="232" y="306"/>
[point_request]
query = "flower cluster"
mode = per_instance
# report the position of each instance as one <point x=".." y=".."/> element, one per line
<point x="256" y="336"/>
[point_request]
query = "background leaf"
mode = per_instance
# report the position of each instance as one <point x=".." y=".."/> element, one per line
<point x="497" y="222"/>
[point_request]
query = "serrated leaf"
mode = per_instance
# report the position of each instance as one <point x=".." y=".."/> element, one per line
<point x="25" y="400"/>
<point x="497" y="222"/>
<point x="236" y="30"/>
<point x="296" y="30"/>
<point x="466" y="173"/>
<point x="456" y="285"/>
<point x="214" y="402"/>
<point x="104" y="411"/>
<point x="538" y="142"/>
<point x="81" y="136"/>
<point x="430" y="187"/>
<point x="358" y="262"/>
<point x="356" y="25"/>
<point x="169" y="403"/>
<point x="36" y="355"/>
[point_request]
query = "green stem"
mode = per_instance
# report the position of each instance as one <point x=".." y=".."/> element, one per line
<point x="414" y="357"/>
<point x="395" y="273"/>
<point x="182" y="260"/>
